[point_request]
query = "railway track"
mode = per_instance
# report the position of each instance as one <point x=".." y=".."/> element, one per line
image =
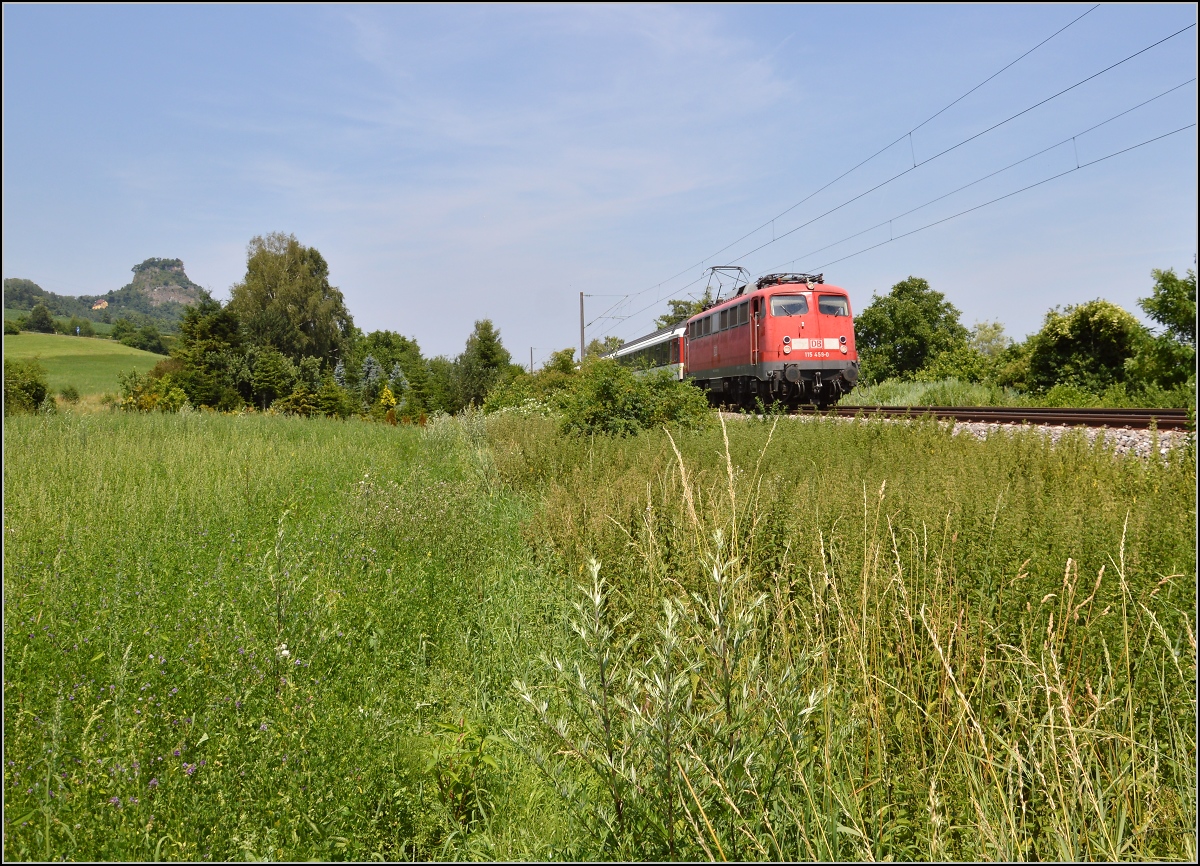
<point x="1137" y="419"/>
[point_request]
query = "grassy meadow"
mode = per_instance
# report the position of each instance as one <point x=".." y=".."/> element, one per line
<point x="243" y="637"/>
<point x="89" y="364"/>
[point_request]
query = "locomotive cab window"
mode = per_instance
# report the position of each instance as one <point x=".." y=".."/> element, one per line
<point x="833" y="305"/>
<point x="789" y="305"/>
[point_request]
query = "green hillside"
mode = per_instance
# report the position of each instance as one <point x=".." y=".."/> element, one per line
<point x="101" y="329"/>
<point x="89" y="364"/>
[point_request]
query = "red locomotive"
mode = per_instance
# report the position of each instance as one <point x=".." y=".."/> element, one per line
<point x="789" y="339"/>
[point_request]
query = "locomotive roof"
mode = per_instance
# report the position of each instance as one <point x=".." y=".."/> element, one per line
<point x="793" y="281"/>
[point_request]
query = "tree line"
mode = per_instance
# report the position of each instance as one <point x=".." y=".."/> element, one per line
<point x="914" y="333"/>
<point x="286" y="341"/>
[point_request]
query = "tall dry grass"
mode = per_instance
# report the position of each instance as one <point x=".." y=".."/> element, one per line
<point x="750" y="678"/>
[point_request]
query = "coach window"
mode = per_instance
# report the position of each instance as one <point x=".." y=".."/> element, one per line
<point x="724" y="320"/>
<point x="789" y="305"/>
<point x="743" y="312"/>
<point x="833" y="305"/>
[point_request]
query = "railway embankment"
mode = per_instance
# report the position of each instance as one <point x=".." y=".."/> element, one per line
<point x="1139" y="441"/>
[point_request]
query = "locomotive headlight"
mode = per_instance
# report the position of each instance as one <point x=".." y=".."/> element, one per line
<point x="786" y="340"/>
<point x="787" y="349"/>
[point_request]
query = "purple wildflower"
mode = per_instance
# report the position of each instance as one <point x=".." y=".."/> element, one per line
<point x="153" y="784"/>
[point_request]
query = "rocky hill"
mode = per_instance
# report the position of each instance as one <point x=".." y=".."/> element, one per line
<point x="163" y="281"/>
<point x="159" y="293"/>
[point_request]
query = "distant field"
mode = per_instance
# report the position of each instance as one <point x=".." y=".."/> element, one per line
<point x="91" y="365"/>
<point x="100" y="327"/>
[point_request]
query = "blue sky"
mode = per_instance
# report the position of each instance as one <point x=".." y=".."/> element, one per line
<point x="459" y="162"/>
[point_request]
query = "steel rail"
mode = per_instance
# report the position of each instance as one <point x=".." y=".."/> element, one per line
<point x="1140" y="419"/>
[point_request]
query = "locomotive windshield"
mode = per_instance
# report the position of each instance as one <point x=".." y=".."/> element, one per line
<point x="833" y="305"/>
<point x="789" y="305"/>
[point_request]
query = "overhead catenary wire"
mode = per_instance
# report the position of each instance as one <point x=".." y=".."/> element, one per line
<point x="978" y="180"/>
<point x="859" y="165"/>
<point x="1009" y="195"/>
<point x="953" y="147"/>
<point x="971" y="209"/>
<point x="959" y="144"/>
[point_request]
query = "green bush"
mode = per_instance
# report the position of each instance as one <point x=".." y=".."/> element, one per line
<point x="963" y="362"/>
<point x="148" y="393"/>
<point x="605" y="397"/>
<point x="300" y="402"/>
<point x="25" y="387"/>
<point x="11" y="327"/>
<point x="69" y="393"/>
<point x="523" y="392"/>
<point x="333" y="400"/>
<point x="944" y="392"/>
<point x="147" y="339"/>
<point x="601" y="396"/>
<point x="78" y="327"/>
<point x="1086" y="346"/>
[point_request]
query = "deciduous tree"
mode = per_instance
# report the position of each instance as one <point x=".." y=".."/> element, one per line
<point x="606" y="346"/>
<point x="1086" y="345"/>
<point x="40" y="320"/>
<point x="1168" y="359"/>
<point x="897" y="334"/>
<point x="682" y="310"/>
<point x="285" y="300"/>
